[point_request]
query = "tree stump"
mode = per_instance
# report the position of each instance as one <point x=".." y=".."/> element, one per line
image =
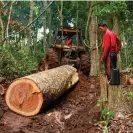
<point x="30" y="94"/>
<point x="116" y="97"/>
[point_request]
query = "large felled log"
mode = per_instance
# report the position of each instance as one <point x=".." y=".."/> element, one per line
<point x="28" y="95"/>
<point x="117" y="98"/>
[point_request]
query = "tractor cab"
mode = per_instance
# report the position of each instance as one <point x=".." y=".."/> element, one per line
<point x="68" y="37"/>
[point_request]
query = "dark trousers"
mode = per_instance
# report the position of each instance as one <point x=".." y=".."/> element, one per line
<point x="113" y="63"/>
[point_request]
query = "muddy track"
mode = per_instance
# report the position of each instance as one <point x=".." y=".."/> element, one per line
<point x="74" y="112"/>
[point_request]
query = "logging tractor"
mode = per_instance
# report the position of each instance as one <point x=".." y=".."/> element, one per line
<point x="68" y="48"/>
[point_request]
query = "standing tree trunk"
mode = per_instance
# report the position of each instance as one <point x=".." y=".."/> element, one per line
<point x="61" y="15"/>
<point x="31" y="11"/>
<point x="9" y="18"/>
<point x="60" y="10"/>
<point x="110" y="21"/>
<point x="116" y="24"/>
<point x="95" y="68"/>
<point x="30" y="21"/>
<point x="125" y="48"/>
<point x="116" y="30"/>
<point x="2" y="28"/>
<point x="44" y="29"/>
<point x="88" y="23"/>
<point x="50" y="26"/>
<point x="28" y="95"/>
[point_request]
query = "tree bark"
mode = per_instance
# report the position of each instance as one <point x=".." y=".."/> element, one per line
<point x="61" y="15"/>
<point x="44" y="29"/>
<point x="2" y="27"/>
<point x="116" y="24"/>
<point x="30" y="94"/>
<point x="94" y="47"/>
<point x="115" y="97"/>
<point x="110" y="21"/>
<point x="31" y="11"/>
<point x="50" y="26"/>
<point x="30" y="21"/>
<point x="9" y="18"/>
<point x="117" y="31"/>
<point x="88" y="19"/>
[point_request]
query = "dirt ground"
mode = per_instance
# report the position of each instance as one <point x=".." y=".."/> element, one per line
<point x="74" y="112"/>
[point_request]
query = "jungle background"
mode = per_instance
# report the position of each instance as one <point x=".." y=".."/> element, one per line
<point x="26" y="33"/>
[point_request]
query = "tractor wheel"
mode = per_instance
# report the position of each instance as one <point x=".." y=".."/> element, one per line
<point x="64" y="61"/>
<point x="85" y="63"/>
<point x="51" y="59"/>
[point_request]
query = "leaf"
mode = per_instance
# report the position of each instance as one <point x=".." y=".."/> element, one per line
<point x="105" y="112"/>
<point x="103" y="123"/>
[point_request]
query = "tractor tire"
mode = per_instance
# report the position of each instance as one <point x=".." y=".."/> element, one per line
<point x="85" y="63"/>
<point x="64" y="61"/>
<point x="51" y="59"/>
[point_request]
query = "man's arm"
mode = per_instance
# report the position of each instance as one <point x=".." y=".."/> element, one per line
<point x="107" y="44"/>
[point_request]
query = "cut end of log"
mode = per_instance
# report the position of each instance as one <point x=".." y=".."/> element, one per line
<point x="24" y="97"/>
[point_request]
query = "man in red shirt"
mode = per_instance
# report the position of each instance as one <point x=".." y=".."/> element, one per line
<point x="69" y="41"/>
<point x="111" y="46"/>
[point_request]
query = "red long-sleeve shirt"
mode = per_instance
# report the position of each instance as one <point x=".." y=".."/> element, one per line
<point x="111" y="43"/>
<point x="69" y="42"/>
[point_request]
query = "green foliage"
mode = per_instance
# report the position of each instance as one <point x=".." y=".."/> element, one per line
<point x="100" y="103"/>
<point x="126" y="56"/>
<point x="110" y="7"/>
<point x="70" y="9"/>
<point x="16" y="62"/>
<point x="130" y="95"/>
<point x="106" y="115"/>
<point x="21" y="11"/>
<point x="102" y="9"/>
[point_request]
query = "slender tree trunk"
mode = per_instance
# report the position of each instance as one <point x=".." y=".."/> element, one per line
<point x="50" y="25"/>
<point x="95" y="68"/>
<point x="9" y="18"/>
<point x="116" y="24"/>
<point x="2" y="28"/>
<point x="88" y="22"/>
<point x="116" y="30"/>
<point x="30" y="20"/>
<point x="44" y="29"/>
<point x="1" y="24"/>
<point x="125" y="47"/>
<point x="61" y="15"/>
<point x="31" y="11"/>
<point x="60" y="10"/>
<point x="110" y="21"/>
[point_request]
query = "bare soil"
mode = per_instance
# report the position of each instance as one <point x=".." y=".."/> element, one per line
<point x="74" y="112"/>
